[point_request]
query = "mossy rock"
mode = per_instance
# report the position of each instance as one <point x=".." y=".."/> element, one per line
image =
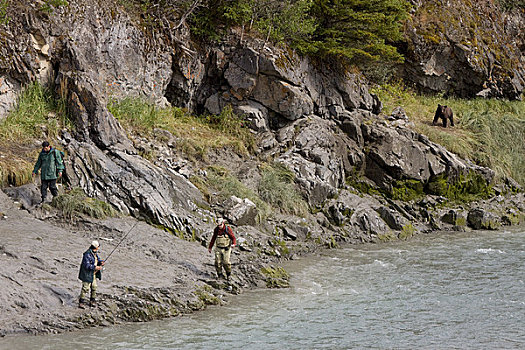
<point x="276" y="277"/>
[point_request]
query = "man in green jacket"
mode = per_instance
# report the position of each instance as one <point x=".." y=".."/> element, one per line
<point x="50" y="164"/>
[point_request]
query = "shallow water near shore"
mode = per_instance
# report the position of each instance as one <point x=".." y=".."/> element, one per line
<point x="449" y="290"/>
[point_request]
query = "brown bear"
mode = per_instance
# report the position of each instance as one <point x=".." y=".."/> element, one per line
<point x="444" y="112"/>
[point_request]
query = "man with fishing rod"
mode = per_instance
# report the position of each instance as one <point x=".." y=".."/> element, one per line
<point x="91" y="269"/>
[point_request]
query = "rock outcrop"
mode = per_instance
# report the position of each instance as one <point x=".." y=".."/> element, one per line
<point x="465" y="49"/>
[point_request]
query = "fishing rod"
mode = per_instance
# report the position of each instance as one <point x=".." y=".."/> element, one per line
<point x="121" y="241"/>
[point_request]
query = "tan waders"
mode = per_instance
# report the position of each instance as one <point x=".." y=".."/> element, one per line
<point x="222" y="256"/>
<point x="90" y="288"/>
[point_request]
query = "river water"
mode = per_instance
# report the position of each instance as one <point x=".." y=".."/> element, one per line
<point x="446" y="291"/>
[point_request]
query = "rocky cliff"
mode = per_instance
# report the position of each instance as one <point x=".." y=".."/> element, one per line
<point x="365" y="176"/>
<point x="465" y="48"/>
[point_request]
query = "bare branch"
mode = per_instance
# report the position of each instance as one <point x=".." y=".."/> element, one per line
<point x="196" y="3"/>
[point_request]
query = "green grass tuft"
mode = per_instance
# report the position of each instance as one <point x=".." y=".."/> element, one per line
<point x="195" y="134"/>
<point x="276" y="187"/>
<point x="77" y="203"/>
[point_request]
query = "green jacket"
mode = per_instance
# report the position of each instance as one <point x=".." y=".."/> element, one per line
<point x="50" y="164"/>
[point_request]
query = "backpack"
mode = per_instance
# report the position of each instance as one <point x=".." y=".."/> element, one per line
<point x="62" y="155"/>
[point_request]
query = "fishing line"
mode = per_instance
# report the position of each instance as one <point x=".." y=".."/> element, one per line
<point x="121" y="241"/>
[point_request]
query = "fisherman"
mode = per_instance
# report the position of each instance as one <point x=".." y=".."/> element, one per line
<point x="224" y="238"/>
<point x="50" y="164"/>
<point x="90" y="270"/>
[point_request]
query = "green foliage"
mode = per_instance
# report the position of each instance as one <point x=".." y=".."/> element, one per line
<point x="37" y="110"/>
<point x="359" y="30"/>
<point x="38" y="114"/>
<point x="281" y="244"/>
<point x="227" y="185"/>
<point x="508" y="5"/>
<point x="276" y="277"/>
<point x="407" y="232"/>
<point x="277" y="20"/>
<point x="463" y="189"/>
<point x="276" y="187"/>
<point x="354" y="31"/>
<point x="4" y="18"/>
<point x="205" y="294"/>
<point x="407" y="190"/>
<point x="387" y="236"/>
<point x="50" y="5"/>
<point x="362" y="186"/>
<point x="77" y="203"/>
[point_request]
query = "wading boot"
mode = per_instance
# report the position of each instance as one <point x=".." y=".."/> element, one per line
<point x="92" y="303"/>
<point x="82" y="304"/>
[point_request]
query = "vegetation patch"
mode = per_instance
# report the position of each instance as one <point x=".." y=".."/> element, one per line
<point x="490" y="132"/>
<point x="465" y="188"/>
<point x="407" y="190"/>
<point x="228" y="185"/>
<point x="387" y="236"/>
<point x="206" y="296"/>
<point x="195" y="135"/>
<point x="276" y="187"/>
<point x="49" y="5"/>
<point x="362" y="186"/>
<point x="276" y="277"/>
<point x="77" y="203"/>
<point x="407" y="232"/>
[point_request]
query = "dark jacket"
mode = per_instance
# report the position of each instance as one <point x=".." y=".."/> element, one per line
<point x="218" y="231"/>
<point x="87" y="267"/>
<point x="50" y="163"/>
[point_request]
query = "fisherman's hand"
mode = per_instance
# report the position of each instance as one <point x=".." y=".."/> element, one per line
<point x="60" y="174"/>
<point x="102" y="262"/>
<point x="98" y="268"/>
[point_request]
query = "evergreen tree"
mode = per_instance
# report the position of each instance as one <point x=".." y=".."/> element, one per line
<point x="359" y="31"/>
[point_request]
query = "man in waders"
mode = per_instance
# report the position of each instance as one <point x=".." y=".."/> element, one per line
<point x="90" y="270"/>
<point x="224" y="240"/>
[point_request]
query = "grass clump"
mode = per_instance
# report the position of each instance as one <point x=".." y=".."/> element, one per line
<point x="276" y="187"/>
<point x="195" y="134"/>
<point x="77" y="203"/>
<point x="276" y="277"/>
<point x="490" y="132"/>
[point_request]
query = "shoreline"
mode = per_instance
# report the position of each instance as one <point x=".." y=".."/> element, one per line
<point x="152" y="275"/>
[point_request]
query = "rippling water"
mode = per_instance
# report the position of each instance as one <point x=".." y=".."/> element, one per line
<point x="448" y="291"/>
